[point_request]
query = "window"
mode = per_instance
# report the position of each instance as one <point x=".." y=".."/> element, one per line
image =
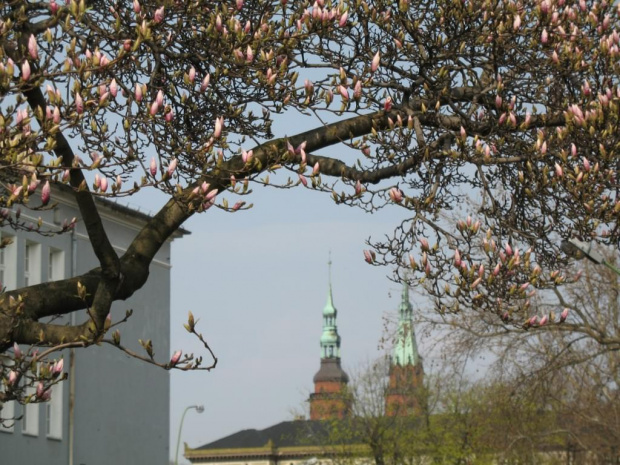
<point x="32" y="264"/>
<point x="55" y="265"/>
<point x="7" y="262"/>
<point x="53" y="408"/>
<point x="30" y="420"/>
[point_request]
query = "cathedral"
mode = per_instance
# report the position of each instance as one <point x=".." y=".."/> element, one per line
<point x="287" y="442"/>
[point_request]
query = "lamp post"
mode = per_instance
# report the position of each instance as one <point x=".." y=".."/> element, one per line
<point x="199" y="409"/>
<point x="580" y="249"/>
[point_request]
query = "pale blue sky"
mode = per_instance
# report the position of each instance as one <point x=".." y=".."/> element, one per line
<point x="257" y="281"/>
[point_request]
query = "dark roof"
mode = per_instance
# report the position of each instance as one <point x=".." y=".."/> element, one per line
<point x="284" y="434"/>
<point x="331" y="371"/>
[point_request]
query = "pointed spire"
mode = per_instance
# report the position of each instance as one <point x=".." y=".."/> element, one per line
<point x="330" y="299"/>
<point x="330" y="339"/>
<point x="405" y="347"/>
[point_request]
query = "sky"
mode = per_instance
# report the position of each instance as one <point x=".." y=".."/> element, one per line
<point x="257" y="281"/>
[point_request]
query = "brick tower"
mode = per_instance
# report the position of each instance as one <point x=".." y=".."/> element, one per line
<point x="329" y="399"/>
<point x="403" y="396"/>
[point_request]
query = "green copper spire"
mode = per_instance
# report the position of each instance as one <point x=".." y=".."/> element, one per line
<point x="330" y="340"/>
<point x="405" y="347"/>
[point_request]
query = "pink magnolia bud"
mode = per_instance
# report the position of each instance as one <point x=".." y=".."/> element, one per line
<point x="358" y="188"/>
<point x="12" y="377"/>
<point x="315" y="169"/>
<point x="239" y="5"/>
<point x="138" y="93"/>
<point x="247" y="156"/>
<point x="53" y="7"/>
<point x="175" y="357"/>
<point x="369" y="256"/>
<point x="104" y="184"/>
<point x="558" y="171"/>
<point x="58" y="367"/>
<point x="343" y="92"/>
<point x="205" y="83"/>
<point x="153" y="167"/>
<point x="457" y="258"/>
<point x="544" y="37"/>
<point x="516" y="24"/>
<point x="45" y="193"/>
<point x="508" y="249"/>
<point x="26" y="70"/>
<point x="424" y="244"/>
<point x="544" y="320"/>
<point x="33" y="49"/>
<point x="249" y="55"/>
<point x="375" y="62"/>
<point x="159" y="15"/>
<point x="211" y="195"/>
<point x="136" y="6"/>
<point x="113" y="88"/>
<point x="396" y="195"/>
<point x="40" y="390"/>
<point x="219" y="125"/>
<point x="172" y="166"/>
<point x="387" y="105"/>
<point x="343" y="19"/>
<point x="563" y="315"/>
<point x="17" y="352"/>
<point x="586" y="164"/>
<point x="154" y="108"/>
<point x="357" y="90"/>
<point x="303" y="180"/>
<point x="532" y="321"/>
<point x="160" y="98"/>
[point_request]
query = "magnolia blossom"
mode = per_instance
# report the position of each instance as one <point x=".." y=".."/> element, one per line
<point x="33" y="49"/>
<point x="172" y="166"/>
<point x="25" y="70"/>
<point x="45" y="193"/>
<point x="375" y="62"/>
<point x="219" y="125"/>
<point x="159" y="15"/>
<point x="153" y="167"/>
<point x="396" y="194"/>
<point x="175" y="357"/>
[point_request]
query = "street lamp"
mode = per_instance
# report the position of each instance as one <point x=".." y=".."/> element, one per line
<point x="579" y="249"/>
<point x="199" y="409"/>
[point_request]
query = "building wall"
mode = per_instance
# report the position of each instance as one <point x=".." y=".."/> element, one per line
<point x="121" y="410"/>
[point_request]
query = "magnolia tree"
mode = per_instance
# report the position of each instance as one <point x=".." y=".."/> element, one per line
<point x="510" y="107"/>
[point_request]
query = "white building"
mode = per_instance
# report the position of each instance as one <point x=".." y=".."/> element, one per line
<point x="111" y="403"/>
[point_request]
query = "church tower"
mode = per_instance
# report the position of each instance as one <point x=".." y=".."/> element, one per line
<point x="329" y="399"/>
<point x="406" y="372"/>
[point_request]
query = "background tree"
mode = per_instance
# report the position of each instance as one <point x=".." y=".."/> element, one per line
<point x="570" y="371"/>
<point x="427" y="104"/>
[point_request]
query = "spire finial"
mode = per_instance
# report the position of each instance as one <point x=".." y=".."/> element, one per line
<point x="329" y="267"/>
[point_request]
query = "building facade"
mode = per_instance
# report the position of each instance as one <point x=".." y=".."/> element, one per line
<point x="110" y="402"/>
